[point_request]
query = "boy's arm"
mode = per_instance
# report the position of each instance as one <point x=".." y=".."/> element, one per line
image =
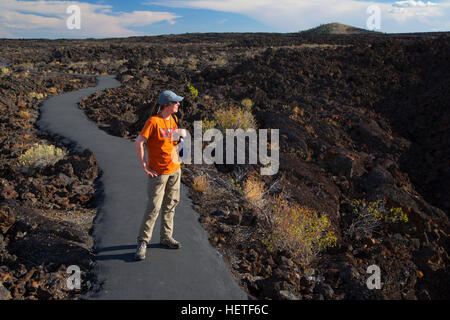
<point x="140" y="150"/>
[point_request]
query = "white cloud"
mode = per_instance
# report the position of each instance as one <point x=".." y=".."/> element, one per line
<point x="432" y="15"/>
<point x="412" y="3"/>
<point x="398" y="10"/>
<point x="29" y="18"/>
<point x="295" y="15"/>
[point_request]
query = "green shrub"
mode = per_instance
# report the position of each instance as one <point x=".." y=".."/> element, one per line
<point x="234" y="118"/>
<point x="192" y="91"/>
<point x="368" y="217"/>
<point x="40" y="156"/>
<point x="237" y="186"/>
<point x="379" y="211"/>
<point x="247" y="103"/>
<point x="297" y="229"/>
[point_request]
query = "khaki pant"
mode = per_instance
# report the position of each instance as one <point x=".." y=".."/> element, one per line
<point x="163" y="193"/>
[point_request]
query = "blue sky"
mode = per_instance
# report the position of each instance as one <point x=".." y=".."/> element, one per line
<point x="123" y="18"/>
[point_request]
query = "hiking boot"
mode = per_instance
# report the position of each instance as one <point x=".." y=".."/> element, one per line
<point x="170" y="243"/>
<point x="140" y="251"/>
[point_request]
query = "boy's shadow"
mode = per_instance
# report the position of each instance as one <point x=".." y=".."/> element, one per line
<point x="126" y="257"/>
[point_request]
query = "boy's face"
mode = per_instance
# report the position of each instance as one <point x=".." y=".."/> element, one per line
<point x="172" y="107"/>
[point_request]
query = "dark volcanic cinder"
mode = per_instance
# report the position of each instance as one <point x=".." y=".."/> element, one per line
<point x="45" y="211"/>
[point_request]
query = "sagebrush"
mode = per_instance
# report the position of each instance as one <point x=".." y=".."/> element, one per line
<point x="368" y="217"/>
<point x="40" y="156"/>
<point x="234" y="118"/>
<point x="297" y="229"/>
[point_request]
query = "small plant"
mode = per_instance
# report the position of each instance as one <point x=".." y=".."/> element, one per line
<point x="297" y="229"/>
<point x="53" y="90"/>
<point x="5" y="71"/>
<point x="24" y="114"/>
<point x="192" y="63"/>
<point x="247" y="103"/>
<point x="192" y="91"/>
<point x="396" y="215"/>
<point x="299" y="112"/>
<point x="36" y="95"/>
<point x="171" y="61"/>
<point x="237" y="186"/>
<point x="370" y="216"/>
<point x="379" y="211"/>
<point x="201" y="183"/>
<point x="219" y="62"/>
<point x="118" y="63"/>
<point x="79" y="65"/>
<point x="40" y="155"/>
<point x="254" y="191"/>
<point x="234" y="118"/>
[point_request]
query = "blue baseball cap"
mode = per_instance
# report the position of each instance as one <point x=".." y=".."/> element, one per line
<point x="168" y="96"/>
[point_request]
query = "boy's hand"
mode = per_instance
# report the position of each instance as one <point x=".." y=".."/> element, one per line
<point x="151" y="173"/>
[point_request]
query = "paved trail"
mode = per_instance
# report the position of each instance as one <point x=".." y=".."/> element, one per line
<point x="196" y="271"/>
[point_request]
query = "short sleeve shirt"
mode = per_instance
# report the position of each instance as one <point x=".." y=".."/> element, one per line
<point x="160" y="145"/>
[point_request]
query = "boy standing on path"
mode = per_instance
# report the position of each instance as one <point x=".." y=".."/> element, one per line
<point x="164" y="175"/>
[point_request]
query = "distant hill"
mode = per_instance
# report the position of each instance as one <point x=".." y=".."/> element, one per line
<point x="337" y="28"/>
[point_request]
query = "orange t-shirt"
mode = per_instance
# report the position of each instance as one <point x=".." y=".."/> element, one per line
<point x="158" y="133"/>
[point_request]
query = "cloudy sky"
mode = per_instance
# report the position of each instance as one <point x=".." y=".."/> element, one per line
<point x="124" y="18"/>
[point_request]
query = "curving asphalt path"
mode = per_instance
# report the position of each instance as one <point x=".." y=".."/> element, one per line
<point x="196" y="271"/>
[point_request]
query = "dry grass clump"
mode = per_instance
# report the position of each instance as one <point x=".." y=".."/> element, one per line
<point x="172" y="61"/>
<point x="201" y="183"/>
<point x="296" y="113"/>
<point x="254" y="191"/>
<point x="24" y="114"/>
<point x="77" y="65"/>
<point x="219" y="62"/>
<point x="35" y="95"/>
